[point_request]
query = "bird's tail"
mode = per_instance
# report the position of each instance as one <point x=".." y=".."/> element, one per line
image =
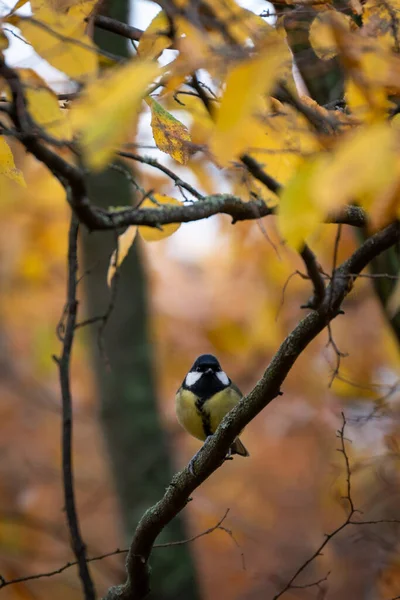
<point x="238" y="448"/>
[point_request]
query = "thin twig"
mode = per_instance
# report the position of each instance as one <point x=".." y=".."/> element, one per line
<point x="331" y="342"/>
<point x="284" y="288"/>
<point x="335" y="258"/>
<point x="64" y="365"/>
<point x="152" y="162"/>
<point x="71" y="40"/>
<point x="338" y="354"/>
<point x="348" y="521"/>
<point x="313" y="584"/>
<point x="118" y="551"/>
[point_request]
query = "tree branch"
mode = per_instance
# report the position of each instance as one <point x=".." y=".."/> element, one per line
<point x="315" y="274"/>
<point x="117" y="27"/>
<point x="95" y="218"/>
<point x="64" y="365"/>
<point x="348" y="521"/>
<point x="116" y="552"/>
<point x="152" y="162"/>
<point x="214" y="450"/>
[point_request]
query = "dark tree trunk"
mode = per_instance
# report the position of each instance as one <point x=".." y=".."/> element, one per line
<point x="137" y="445"/>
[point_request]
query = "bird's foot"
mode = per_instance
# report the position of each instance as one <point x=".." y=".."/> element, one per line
<point x="229" y="455"/>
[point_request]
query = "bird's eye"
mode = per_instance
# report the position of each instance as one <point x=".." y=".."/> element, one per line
<point x="198" y="369"/>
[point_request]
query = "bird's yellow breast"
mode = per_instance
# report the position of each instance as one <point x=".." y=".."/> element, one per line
<point x="213" y="410"/>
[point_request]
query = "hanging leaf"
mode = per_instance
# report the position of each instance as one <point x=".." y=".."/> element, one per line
<point x="288" y="140"/>
<point x="154" y="40"/>
<point x="244" y="85"/>
<point x="362" y="171"/>
<point x="241" y="24"/>
<point x="103" y="114"/>
<point x="298" y="215"/>
<point x="380" y="21"/>
<point x="152" y="234"/>
<point x="322" y="38"/>
<point x="7" y="165"/>
<point x="43" y="105"/>
<point x="170" y="135"/>
<point x="125" y="241"/>
<point x="60" y="39"/>
<point x="202" y="123"/>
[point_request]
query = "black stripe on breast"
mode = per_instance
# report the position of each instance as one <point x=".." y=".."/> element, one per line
<point x="205" y="417"/>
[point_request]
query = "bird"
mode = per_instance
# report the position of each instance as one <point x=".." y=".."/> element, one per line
<point x="206" y="395"/>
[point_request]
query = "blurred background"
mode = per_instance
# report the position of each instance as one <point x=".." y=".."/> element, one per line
<point x="212" y="287"/>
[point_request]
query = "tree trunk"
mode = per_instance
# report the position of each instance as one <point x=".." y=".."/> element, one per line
<point x="137" y="444"/>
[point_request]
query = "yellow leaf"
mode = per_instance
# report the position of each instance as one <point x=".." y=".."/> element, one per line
<point x="289" y="138"/>
<point x="202" y="123"/>
<point x="154" y="40"/>
<point x="322" y="38"/>
<point x="385" y="207"/>
<point x="356" y="170"/>
<point x="60" y="39"/>
<point x="380" y="21"/>
<point x="241" y="24"/>
<point x="43" y="105"/>
<point x="170" y="135"/>
<point x="7" y="165"/>
<point x="365" y="91"/>
<point x="393" y="306"/>
<point x="82" y="9"/>
<point x="104" y="113"/>
<point x="78" y="7"/>
<point x="195" y="48"/>
<point x="152" y="234"/>
<point x="244" y="85"/>
<point x="299" y="215"/>
<point x="125" y="241"/>
<point x="18" y="5"/>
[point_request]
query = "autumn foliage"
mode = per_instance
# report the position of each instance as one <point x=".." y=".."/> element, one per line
<point x="234" y="130"/>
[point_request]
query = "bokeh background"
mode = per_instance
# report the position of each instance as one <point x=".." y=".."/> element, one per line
<point x="212" y="287"/>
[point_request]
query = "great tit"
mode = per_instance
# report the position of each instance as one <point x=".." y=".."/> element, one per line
<point x="204" y="398"/>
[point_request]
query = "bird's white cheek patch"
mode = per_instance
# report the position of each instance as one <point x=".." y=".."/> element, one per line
<point x="192" y="378"/>
<point x="223" y="377"/>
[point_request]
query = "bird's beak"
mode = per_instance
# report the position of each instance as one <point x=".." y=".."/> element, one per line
<point x="210" y="371"/>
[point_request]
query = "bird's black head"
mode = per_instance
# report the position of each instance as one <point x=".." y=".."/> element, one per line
<point x="206" y="363"/>
<point x="206" y="377"/>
